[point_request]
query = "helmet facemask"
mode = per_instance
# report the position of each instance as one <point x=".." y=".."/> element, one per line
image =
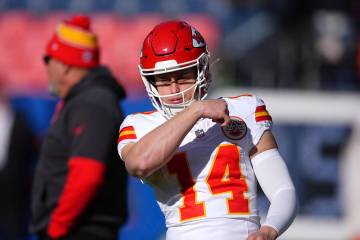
<point x="199" y="89"/>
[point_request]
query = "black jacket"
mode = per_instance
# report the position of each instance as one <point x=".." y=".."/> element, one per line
<point x="87" y="126"/>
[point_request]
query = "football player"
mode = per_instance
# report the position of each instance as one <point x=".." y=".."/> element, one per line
<point x="202" y="157"/>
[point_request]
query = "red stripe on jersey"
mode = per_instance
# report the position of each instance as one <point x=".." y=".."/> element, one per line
<point x="149" y="112"/>
<point x="260" y="108"/>
<point x="263" y="118"/>
<point x="128" y="128"/>
<point x="241" y="95"/>
<point x="146" y="113"/>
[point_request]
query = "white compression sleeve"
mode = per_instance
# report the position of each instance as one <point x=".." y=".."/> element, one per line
<point x="274" y="179"/>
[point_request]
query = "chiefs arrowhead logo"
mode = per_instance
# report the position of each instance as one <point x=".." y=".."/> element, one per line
<point x="236" y="129"/>
<point x="197" y="39"/>
<point x="78" y="130"/>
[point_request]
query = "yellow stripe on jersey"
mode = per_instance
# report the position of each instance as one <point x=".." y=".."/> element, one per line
<point x="261" y="114"/>
<point x="127" y="132"/>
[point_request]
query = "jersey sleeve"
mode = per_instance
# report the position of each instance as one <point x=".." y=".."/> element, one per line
<point x="252" y="110"/>
<point x="127" y="133"/>
<point x="259" y="120"/>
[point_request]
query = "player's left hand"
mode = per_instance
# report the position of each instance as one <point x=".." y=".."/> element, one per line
<point x="215" y="109"/>
<point x="264" y="233"/>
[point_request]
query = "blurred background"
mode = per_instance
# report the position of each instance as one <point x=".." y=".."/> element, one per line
<point x="300" y="56"/>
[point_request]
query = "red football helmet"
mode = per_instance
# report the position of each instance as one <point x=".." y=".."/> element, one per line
<point x="173" y="46"/>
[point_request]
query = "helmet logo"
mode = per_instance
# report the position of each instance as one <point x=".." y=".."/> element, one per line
<point x="197" y="39"/>
<point x="236" y="129"/>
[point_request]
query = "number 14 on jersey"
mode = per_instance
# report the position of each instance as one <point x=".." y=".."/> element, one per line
<point x="225" y="176"/>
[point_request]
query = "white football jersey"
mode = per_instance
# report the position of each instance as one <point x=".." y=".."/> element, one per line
<point x="210" y="180"/>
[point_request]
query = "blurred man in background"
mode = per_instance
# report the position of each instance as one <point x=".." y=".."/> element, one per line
<point x="17" y="154"/>
<point x="80" y="183"/>
<point x="202" y="156"/>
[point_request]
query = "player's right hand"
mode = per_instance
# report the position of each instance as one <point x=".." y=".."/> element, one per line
<point x="215" y="109"/>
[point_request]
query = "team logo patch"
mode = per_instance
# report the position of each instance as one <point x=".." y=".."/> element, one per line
<point x="87" y="56"/>
<point x="236" y="129"/>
